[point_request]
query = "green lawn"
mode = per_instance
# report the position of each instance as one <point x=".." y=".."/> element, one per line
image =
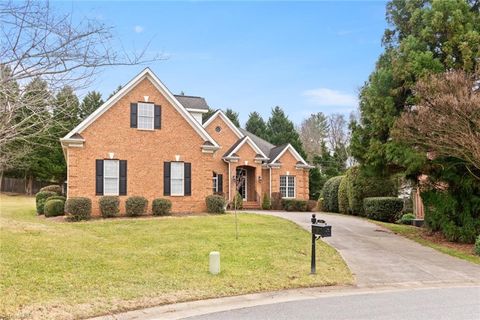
<point x="51" y="269"/>
<point x="419" y="235"/>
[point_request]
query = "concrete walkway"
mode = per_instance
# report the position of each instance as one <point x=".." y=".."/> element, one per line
<point x="378" y="257"/>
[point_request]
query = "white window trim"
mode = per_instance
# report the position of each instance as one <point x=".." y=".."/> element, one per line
<point x="215" y="183"/>
<point x="287" y="185"/>
<point x="117" y="177"/>
<point x="138" y="116"/>
<point x="172" y="178"/>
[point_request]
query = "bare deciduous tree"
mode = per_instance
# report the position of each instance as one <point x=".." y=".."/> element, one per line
<point x="446" y="120"/>
<point x="38" y="43"/>
<point x="313" y="131"/>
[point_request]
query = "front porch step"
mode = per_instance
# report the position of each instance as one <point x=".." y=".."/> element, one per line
<point x="251" y="205"/>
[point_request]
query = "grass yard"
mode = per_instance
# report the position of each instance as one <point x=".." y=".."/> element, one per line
<point x="435" y="241"/>
<point x="58" y="270"/>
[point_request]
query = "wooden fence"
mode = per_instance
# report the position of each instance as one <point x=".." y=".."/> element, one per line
<point x="22" y="186"/>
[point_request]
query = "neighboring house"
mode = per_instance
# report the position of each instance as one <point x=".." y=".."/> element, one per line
<point x="145" y="141"/>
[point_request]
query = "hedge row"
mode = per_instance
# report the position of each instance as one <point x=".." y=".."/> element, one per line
<point x="385" y="209"/>
<point x="80" y="208"/>
<point x="330" y="194"/>
<point x="346" y="194"/>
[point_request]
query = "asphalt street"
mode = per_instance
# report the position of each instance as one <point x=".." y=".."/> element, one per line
<point x="460" y="303"/>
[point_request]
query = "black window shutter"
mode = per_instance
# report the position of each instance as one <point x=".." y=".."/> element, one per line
<point x="166" y="178"/>
<point x="133" y="115"/>
<point x="99" y="177"/>
<point x="158" y="117"/>
<point x="220" y="182"/>
<point x="187" y="179"/>
<point x="123" y="178"/>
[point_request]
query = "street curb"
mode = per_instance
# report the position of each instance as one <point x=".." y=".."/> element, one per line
<point x="201" y="307"/>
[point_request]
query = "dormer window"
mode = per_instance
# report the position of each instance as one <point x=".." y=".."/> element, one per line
<point x="146" y="115"/>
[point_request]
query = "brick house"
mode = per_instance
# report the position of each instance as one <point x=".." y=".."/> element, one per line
<point x="148" y="142"/>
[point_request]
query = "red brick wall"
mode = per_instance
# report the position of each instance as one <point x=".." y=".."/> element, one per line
<point x="145" y="152"/>
<point x="288" y="166"/>
<point x="225" y="138"/>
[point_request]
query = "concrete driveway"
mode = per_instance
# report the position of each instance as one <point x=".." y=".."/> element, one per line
<point x="378" y="257"/>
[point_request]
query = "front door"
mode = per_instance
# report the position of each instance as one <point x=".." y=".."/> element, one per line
<point x="242" y="187"/>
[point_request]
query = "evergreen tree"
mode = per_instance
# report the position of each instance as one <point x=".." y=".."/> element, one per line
<point x="256" y="125"/>
<point x="208" y="114"/>
<point x="91" y="102"/>
<point x="424" y="37"/>
<point x="115" y="91"/>
<point x="66" y="111"/>
<point x="34" y="157"/>
<point x="233" y="116"/>
<point x="280" y="130"/>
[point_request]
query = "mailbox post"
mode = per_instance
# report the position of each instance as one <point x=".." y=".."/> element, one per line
<point x="319" y="230"/>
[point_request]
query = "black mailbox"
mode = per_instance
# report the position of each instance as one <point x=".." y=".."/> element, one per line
<point x="322" y="229"/>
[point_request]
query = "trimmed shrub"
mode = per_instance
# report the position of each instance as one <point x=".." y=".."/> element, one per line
<point x="294" y="205"/>
<point x="343" y="196"/>
<point x="454" y="213"/>
<point x="109" y="206"/>
<point x="237" y="201"/>
<point x="311" y="205"/>
<point x="136" y="206"/>
<point x="407" y="218"/>
<point x="361" y="186"/>
<point x="476" y="249"/>
<point x="320" y="204"/>
<point x="215" y="204"/>
<point x="54" y="207"/>
<point x="58" y="198"/>
<point x="330" y="194"/>
<point x="383" y="208"/>
<point x="40" y="199"/>
<point x="161" y="207"/>
<point x="53" y="188"/>
<point x="266" y="205"/>
<point x="276" y="201"/>
<point x="78" y="208"/>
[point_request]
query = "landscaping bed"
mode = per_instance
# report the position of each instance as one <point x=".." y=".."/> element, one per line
<point x="54" y="270"/>
<point x="434" y="240"/>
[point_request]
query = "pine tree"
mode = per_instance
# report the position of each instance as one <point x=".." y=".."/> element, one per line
<point x="256" y="125"/>
<point x="280" y="130"/>
<point x="424" y="37"/>
<point x="91" y="102"/>
<point x="233" y="116"/>
<point x="115" y="91"/>
<point x="207" y="114"/>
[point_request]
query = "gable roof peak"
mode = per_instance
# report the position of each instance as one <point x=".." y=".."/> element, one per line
<point x="144" y="74"/>
<point x="230" y="124"/>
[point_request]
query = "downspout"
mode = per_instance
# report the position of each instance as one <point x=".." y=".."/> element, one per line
<point x="229" y="186"/>
<point x="270" y="188"/>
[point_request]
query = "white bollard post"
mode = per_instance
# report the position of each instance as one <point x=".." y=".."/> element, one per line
<point x="214" y="262"/>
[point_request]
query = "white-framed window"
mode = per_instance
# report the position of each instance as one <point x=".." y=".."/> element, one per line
<point x="287" y="186"/>
<point x="215" y="183"/>
<point x="111" y="173"/>
<point x="146" y="116"/>
<point x="177" y="175"/>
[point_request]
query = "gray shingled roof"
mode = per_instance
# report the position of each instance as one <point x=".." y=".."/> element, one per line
<point x="265" y="146"/>
<point x="227" y="153"/>
<point x="276" y="151"/>
<point x="192" y="102"/>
